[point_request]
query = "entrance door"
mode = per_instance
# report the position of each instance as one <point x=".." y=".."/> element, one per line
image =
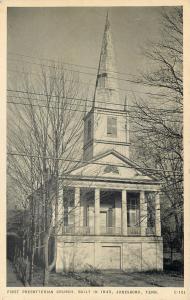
<point x="111" y="257"/>
<point x="103" y="222"/>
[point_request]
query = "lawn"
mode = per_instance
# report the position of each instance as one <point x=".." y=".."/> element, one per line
<point x="112" y="279"/>
<point x="144" y="279"/>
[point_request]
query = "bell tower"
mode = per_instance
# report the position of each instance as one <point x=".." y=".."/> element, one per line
<point x="106" y="125"/>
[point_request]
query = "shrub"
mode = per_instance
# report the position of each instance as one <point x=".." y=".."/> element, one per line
<point x="91" y="269"/>
<point x="176" y="266"/>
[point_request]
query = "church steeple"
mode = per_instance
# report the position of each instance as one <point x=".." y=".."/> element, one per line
<point x="106" y="89"/>
<point x="105" y="126"/>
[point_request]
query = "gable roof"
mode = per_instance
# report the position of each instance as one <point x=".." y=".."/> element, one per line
<point x="111" y="166"/>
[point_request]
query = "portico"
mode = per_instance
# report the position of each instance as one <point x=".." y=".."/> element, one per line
<point x="110" y="228"/>
<point x="100" y="211"/>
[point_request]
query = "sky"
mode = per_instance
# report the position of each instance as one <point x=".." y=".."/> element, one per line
<point x="74" y="35"/>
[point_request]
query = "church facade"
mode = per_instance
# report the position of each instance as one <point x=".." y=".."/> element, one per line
<point x="111" y="208"/>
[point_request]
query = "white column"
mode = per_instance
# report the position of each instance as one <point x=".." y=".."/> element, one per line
<point x="97" y="212"/>
<point x="118" y="215"/>
<point x="157" y="214"/>
<point x="124" y="212"/>
<point x="77" y="209"/>
<point x="143" y="213"/>
<point x="81" y="212"/>
<point x="91" y="222"/>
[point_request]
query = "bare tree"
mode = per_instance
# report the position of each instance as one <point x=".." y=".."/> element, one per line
<point x="43" y="144"/>
<point x="158" y="120"/>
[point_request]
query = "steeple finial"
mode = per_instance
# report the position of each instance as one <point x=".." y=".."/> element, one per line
<point x="107" y="14"/>
<point x="107" y="19"/>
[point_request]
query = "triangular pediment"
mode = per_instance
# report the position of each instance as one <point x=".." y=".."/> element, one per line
<point x="109" y="165"/>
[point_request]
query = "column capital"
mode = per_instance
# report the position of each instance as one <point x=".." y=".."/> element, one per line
<point x="157" y="196"/>
<point x="142" y="196"/>
<point x="97" y="190"/>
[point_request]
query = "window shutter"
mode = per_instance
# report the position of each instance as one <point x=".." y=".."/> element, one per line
<point x="112" y="126"/>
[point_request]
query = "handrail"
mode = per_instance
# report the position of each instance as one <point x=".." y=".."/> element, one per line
<point x="133" y="231"/>
<point x="89" y="230"/>
<point x="150" y="231"/>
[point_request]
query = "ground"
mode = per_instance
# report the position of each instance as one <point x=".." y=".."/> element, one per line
<point x="12" y="279"/>
<point x="143" y="279"/>
<point x="103" y="278"/>
<point x="114" y="279"/>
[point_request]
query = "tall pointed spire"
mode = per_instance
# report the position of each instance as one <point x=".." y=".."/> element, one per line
<point x="106" y="91"/>
<point x="105" y="127"/>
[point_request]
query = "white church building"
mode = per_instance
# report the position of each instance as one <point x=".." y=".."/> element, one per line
<point x="111" y="210"/>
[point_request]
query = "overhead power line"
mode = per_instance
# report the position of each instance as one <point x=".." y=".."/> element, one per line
<point x="75" y="71"/>
<point x="77" y="110"/>
<point x="90" y="162"/>
<point x="93" y="85"/>
<point x="86" y="100"/>
<point x="66" y="63"/>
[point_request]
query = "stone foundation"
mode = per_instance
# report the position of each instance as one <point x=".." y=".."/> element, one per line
<point x="106" y="252"/>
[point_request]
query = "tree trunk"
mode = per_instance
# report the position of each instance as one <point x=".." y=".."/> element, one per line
<point x="46" y="259"/>
<point x="46" y="277"/>
<point x="33" y="245"/>
<point x="31" y="272"/>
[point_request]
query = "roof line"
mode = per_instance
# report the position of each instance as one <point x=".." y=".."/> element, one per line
<point x="117" y="154"/>
<point x="106" y="179"/>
